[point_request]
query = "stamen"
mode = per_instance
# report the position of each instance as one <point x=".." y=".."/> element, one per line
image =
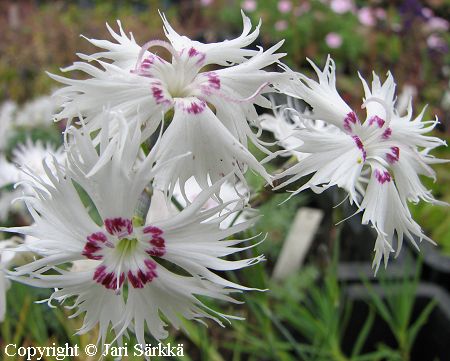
<point x="244" y="100"/>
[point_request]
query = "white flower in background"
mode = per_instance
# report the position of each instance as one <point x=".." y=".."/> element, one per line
<point x="29" y="157"/>
<point x="408" y="93"/>
<point x="7" y="111"/>
<point x="211" y="111"/>
<point x="392" y="149"/>
<point x="37" y="112"/>
<point x="26" y="159"/>
<point x="141" y="253"/>
<point x="283" y="124"/>
<point x="6" y="260"/>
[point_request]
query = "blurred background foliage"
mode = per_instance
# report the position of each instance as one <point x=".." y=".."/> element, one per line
<point x="304" y="317"/>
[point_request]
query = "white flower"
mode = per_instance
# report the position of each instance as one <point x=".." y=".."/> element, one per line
<point x="283" y="124"/>
<point x="211" y="112"/>
<point x="30" y="156"/>
<point x="26" y="159"/>
<point x="387" y="152"/>
<point x="7" y="111"/>
<point x="6" y="260"/>
<point x="144" y="264"/>
<point x="37" y="112"/>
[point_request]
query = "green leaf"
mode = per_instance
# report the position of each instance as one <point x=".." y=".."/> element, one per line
<point x="363" y="333"/>
<point x="420" y="321"/>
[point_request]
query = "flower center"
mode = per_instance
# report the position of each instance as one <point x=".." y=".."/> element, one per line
<point x="126" y="246"/>
<point x="178" y="89"/>
<point x="125" y="253"/>
<point x="180" y="78"/>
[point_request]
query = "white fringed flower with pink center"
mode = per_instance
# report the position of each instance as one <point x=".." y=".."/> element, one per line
<point x="210" y="113"/>
<point x="140" y="261"/>
<point x="378" y="161"/>
<point x="114" y="248"/>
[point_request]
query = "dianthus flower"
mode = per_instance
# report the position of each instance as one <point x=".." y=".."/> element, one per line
<point x="387" y="150"/>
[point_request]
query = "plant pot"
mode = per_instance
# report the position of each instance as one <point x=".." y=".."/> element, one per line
<point x="436" y="266"/>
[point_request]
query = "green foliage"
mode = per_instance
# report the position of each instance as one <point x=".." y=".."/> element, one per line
<point x="396" y="309"/>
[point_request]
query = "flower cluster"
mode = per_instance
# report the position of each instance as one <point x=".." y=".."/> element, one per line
<point x="140" y="129"/>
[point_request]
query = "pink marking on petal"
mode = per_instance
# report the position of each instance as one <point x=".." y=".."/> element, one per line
<point x="150" y="264"/>
<point x="382" y="176"/>
<point x="109" y="280"/>
<point x="153" y="230"/>
<point x="376" y="119"/>
<point x="387" y="133"/>
<point x="195" y="53"/>
<point x="158" y="246"/>
<point x="120" y="227"/>
<point x="151" y="269"/>
<point x="213" y="80"/>
<point x="158" y="242"/>
<point x="192" y="52"/>
<point x="394" y="155"/>
<point x="139" y="278"/>
<point x="95" y="242"/>
<point x="213" y="83"/>
<point x="350" y="118"/>
<point x="360" y="146"/>
<point x="195" y="107"/>
<point x="147" y="62"/>
<point x="99" y="272"/>
<point x="158" y="94"/>
<point x="135" y="282"/>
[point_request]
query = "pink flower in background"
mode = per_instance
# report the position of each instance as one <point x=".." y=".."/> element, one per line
<point x="380" y="13"/>
<point x="365" y="16"/>
<point x="284" y="6"/>
<point x="281" y="25"/>
<point x="333" y="40"/>
<point x="206" y="2"/>
<point x="427" y="12"/>
<point x="437" y="24"/>
<point x="435" y="42"/>
<point x="249" y="5"/>
<point x="341" y="6"/>
<point x="303" y="8"/>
